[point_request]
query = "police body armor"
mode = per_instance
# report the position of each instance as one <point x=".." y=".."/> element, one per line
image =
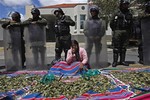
<point x="12" y="48"/>
<point x="63" y="36"/>
<point x="121" y="25"/>
<point x="61" y="28"/>
<point x="122" y="21"/>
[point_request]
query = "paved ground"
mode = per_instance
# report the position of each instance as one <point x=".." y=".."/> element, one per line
<point x="132" y="55"/>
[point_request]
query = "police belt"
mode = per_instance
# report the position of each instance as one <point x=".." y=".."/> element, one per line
<point x="120" y="30"/>
<point x="64" y="34"/>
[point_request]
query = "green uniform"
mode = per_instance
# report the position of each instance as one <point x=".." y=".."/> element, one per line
<point x="63" y="36"/>
<point x="121" y="25"/>
<point x="15" y="46"/>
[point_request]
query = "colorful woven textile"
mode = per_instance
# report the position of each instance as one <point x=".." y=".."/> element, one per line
<point x="145" y="96"/>
<point x="62" y="68"/>
<point x="121" y="92"/>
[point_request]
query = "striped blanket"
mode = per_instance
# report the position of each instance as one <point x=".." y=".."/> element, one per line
<point x="121" y="92"/>
<point x="62" y="68"/>
<point x="117" y="93"/>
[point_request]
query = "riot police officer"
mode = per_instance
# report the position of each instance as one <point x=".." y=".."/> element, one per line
<point x="35" y="18"/>
<point x="121" y="25"/>
<point x="94" y="32"/>
<point x="62" y="30"/>
<point x="36" y="36"/>
<point x="16" y="21"/>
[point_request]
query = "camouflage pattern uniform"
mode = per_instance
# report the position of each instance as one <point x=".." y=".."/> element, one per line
<point x="62" y="30"/>
<point x="121" y="25"/>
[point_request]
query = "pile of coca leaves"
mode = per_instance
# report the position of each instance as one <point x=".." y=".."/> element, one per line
<point x="137" y="80"/>
<point x="8" y="83"/>
<point x="56" y="88"/>
<point x="71" y="89"/>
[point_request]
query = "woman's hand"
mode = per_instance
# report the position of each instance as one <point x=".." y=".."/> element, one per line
<point x="81" y="66"/>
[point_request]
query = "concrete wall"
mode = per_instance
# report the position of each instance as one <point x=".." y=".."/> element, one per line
<point x="78" y="10"/>
<point x="1" y="33"/>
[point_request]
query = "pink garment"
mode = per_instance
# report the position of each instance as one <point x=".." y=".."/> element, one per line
<point x="83" y="56"/>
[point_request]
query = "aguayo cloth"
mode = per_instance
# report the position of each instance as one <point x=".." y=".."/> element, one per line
<point x="145" y="29"/>
<point x="121" y="91"/>
<point x="35" y="39"/>
<point x="12" y="48"/>
<point x="62" y="68"/>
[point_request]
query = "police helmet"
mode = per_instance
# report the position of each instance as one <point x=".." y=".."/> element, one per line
<point x="35" y="11"/>
<point x="147" y="4"/>
<point x="94" y="9"/>
<point x="59" y="10"/>
<point x="16" y="15"/>
<point x="124" y="2"/>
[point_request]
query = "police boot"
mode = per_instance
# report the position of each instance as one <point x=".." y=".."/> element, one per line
<point x="57" y="53"/>
<point x="140" y="52"/>
<point x="122" y="58"/>
<point x="115" y="57"/>
<point x="97" y="60"/>
<point x="141" y="59"/>
<point x="23" y="62"/>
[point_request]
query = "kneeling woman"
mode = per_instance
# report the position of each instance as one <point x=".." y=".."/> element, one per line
<point x="75" y="63"/>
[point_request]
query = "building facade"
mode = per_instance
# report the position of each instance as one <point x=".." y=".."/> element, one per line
<point x="77" y="11"/>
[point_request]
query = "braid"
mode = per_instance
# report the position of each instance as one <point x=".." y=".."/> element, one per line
<point x="74" y="42"/>
<point x="78" y="55"/>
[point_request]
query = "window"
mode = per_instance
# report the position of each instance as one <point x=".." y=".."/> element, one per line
<point x="82" y="19"/>
<point x="82" y="7"/>
<point x="75" y="17"/>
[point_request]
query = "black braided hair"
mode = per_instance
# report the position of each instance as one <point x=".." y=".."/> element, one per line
<point x="74" y="42"/>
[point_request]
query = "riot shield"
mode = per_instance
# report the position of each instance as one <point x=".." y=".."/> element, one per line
<point x="35" y="39"/>
<point x="96" y="48"/>
<point x="145" y="29"/>
<point x="12" y="48"/>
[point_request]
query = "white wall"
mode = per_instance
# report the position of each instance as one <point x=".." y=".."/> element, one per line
<point x="72" y="12"/>
<point x="67" y="11"/>
<point x="1" y="32"/>
<point x="79" y="11"/>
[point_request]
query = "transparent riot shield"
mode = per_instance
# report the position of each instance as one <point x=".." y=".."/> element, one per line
<point x="12" y="48"/>
<point x="96" y="44"/>
<point x="97" y="48"/>
<point x="145" y="29"/>
<point x="35" y="39"/>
